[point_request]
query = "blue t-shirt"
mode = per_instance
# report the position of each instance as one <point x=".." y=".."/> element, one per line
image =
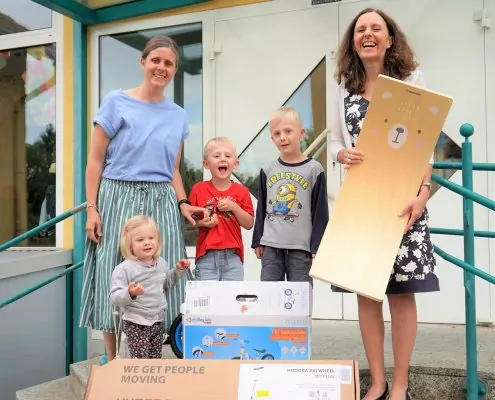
<point x="144" y="137"/>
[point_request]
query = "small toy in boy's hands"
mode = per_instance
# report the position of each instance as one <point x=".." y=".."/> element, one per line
<point x="210" y="222"/>
<point x="135" y="289"/>
<point x="226" y="205"/>
<point x="198" y="215"/>
<point x="183" y="264"/>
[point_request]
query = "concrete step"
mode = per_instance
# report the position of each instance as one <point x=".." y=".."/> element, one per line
<point x="438" y="364"/>
<point x="437" y="368"/>
<point x="55" y="390"/>
<point x="79" y="374"/>
<point x="426" y="383"/>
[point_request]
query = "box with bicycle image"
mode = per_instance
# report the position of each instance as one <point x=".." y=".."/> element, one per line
<point x="247" y="320"/>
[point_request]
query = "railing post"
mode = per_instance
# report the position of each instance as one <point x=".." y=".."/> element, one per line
<point x="69" y="331"/>
<point x="472" y="387"/>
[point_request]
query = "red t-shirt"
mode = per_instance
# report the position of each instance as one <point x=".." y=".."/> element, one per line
<point x="227" y="233"/>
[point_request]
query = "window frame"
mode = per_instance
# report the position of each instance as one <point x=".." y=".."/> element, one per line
<point x="39" y="37"/>
<point x="34" y="37"/>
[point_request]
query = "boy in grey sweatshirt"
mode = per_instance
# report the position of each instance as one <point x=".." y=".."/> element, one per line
<point x="292" y="211"/>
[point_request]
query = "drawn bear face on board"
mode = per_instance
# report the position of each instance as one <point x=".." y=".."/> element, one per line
<point x="399" y="133"/>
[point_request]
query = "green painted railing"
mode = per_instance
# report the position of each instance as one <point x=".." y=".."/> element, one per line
<point x="40" y="228"/>
<point x="475" y="388"/>
<point x="69" y="339"/>
<point x="39" y="285"/>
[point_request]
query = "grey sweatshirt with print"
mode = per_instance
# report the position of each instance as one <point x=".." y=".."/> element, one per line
<point x="292" y="210"/>
<point x="149" y="307"/>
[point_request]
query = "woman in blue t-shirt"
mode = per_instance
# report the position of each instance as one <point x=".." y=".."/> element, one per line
<point x="133" y="168"/>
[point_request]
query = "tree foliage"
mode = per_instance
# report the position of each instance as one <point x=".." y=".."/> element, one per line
<point x="39" y="156"/>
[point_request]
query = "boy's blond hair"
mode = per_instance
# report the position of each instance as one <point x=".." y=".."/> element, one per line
<point x="125" y="237"/>
<point x="216" y="141"/>
<point x="285" y="112"/>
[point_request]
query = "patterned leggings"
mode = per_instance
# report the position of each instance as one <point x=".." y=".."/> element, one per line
<point x="144" y="341"/>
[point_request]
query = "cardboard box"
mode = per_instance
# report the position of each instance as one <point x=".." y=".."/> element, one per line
<point x="247" y="320"/>
<point x="223" y="379"/>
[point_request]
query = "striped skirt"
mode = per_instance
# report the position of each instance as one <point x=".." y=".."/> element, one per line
<point x="117" y="202"/>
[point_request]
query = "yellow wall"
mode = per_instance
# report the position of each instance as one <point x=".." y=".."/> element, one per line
<point x="68" y="130"/>
<point x="69" y="86"/>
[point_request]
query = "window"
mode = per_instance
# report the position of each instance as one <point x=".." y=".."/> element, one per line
<point x="23" y="15"/>
<point x="309" y="99"/>
<point x="119" y="68"/>
<point x="445" y="150"/>
<point x="27" y="132"/>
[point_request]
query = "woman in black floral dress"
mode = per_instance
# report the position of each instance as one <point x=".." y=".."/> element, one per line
<point x="374" y="44"/>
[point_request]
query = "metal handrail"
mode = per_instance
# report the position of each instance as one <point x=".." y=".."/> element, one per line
<point x="456" y="165"/>
<point x="32" y="289"/>
<point x="466" y="193"/>
<point x="465" y="266"/>
<point x="69" y="333"/>
<point x="316" y="147"/>
<point x="474" y="386"/>
<point x="40" y="228"/>
<point x="460" y="232"/>
<point x="318" y="142"/>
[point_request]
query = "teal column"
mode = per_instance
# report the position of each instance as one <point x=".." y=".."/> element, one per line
<point x="467" y="131"/>
<point x="80" y="339"/>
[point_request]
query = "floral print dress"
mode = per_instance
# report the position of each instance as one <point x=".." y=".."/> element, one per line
<point x="414" y="269"/>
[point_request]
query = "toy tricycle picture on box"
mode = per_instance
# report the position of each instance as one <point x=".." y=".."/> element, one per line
<point x="247" y="343"/>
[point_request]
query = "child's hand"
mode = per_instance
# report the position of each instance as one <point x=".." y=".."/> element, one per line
<point x="192" y="213"/>
<point x="226" y="205"/>
<point x="209" y="222"/>
<point x="183" y="264"/>
<point x="135" y="290"/>
<point x="259" y="252"/>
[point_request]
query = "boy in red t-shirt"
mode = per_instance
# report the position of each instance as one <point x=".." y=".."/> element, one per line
<point x="219" y="249"/>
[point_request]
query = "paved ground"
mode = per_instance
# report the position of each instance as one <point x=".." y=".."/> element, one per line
<point x="436" y="345"/>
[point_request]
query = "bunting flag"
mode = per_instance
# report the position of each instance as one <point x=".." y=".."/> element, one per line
<point x="40" y="80"/>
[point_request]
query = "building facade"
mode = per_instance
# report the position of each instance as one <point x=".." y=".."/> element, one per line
<point x="241" y="59"/>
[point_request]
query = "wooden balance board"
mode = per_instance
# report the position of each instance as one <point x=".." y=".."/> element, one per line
<point x="398" y="136"/>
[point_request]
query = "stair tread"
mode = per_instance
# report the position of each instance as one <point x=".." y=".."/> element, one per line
<point x="58" y="389"/>
<point x="425" y="384"/>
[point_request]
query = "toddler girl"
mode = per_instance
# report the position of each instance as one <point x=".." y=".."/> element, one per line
<point x="138" y="285"/>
